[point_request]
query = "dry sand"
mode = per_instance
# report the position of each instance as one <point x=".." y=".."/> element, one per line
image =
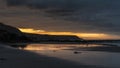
<point x="14" y="58"/>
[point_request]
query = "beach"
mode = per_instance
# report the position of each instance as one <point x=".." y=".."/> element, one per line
<point x="15" y="58"/>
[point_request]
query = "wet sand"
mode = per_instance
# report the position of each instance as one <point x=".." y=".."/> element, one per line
<point x="15" y="58"/>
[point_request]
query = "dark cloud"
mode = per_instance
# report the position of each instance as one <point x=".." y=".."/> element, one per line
<point x="92" y="15"/>
<point x="16" y="2"/>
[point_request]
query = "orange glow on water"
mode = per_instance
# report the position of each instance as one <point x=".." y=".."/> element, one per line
<point x="57" y="47"/>
<point x="81" y="35"/>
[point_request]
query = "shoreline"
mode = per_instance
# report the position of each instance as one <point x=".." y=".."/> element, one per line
<point x="15" y="58"/>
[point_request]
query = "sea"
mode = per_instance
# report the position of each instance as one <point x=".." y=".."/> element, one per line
<point x="88" y="54"/>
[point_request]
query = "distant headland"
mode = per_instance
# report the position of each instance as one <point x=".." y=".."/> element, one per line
<point x="12" y="35"/>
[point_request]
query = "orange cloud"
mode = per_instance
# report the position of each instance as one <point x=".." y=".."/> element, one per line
<point x="30" y="30"/>
<point x="81" y="35"/>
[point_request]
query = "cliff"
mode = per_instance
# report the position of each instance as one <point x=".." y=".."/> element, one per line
<point x="53" y="38"/>
<point x="14" y="35"/>
<point x="11" y="34"/>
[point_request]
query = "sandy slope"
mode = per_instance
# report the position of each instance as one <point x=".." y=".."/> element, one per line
<point x="14" y="58"/>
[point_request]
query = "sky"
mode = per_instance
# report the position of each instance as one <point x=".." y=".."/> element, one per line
<point x="90" y="19"/>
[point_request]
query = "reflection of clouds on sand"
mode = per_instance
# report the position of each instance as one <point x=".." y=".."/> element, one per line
<point x="74" y="47"/>
<point x="14" y="58"/>
<point x="103" y="56"/>
<point x="42" y="47"/>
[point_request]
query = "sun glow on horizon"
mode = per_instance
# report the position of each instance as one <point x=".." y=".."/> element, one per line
<point x="81" y="35"/>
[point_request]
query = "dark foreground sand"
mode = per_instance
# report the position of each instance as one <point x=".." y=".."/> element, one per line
<point x="14" y="58"/>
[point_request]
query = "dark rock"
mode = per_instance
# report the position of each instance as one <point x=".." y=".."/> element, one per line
<point x="11" y="34"/>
